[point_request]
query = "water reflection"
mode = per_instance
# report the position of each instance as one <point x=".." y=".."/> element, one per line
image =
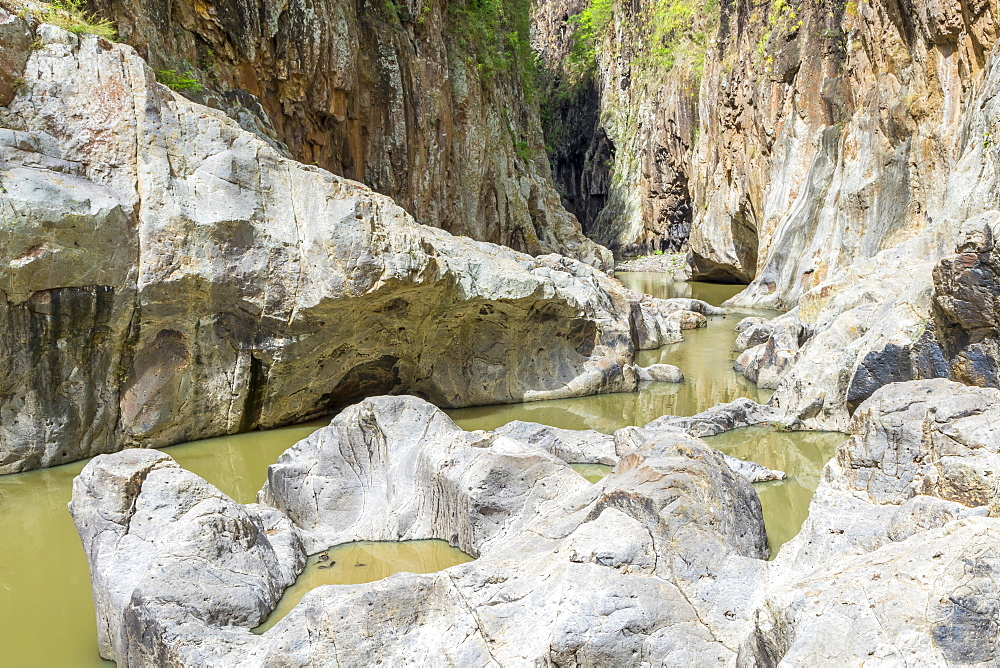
<point x="592" y="472"/>
<point x="800" y="454"/>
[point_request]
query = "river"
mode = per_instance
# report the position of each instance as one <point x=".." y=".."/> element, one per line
<point x="46" y="610"/>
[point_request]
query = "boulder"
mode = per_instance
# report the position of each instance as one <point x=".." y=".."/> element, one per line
<point x="660" y="373"/>
<point x="689" y="319"/>
<point x="660" y="560"/>
<point x="203" y="284"/>
<point x="897" y="560"/>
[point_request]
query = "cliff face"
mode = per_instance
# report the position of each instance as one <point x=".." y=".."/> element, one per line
<point x="619" y="115"/>
<point x="852" y="174"/>
<point x="842" y="152"/>
<point x="170" y="276"/>
<point x="426" y="102"/>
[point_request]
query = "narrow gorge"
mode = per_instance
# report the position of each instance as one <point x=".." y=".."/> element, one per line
<point x="499" y="332"/>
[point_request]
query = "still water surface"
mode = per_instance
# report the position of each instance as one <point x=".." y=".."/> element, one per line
<point x="46" y="611"/>
<point x="357" y="563"/>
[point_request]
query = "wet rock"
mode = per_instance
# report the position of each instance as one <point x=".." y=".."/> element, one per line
<point x="689" y="319"/>
<point x="669" y="545"/>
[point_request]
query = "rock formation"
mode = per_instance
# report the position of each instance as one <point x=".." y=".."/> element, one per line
<point x="620" y="117"/>
<point x="173" y="277"/>
<point x="897" y="561"/>
<point x="838" y="155"/>
<point x="666" y="550"/>
<point x="427" y="102"/>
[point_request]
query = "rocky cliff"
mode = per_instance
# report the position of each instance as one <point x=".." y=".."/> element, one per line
<point x="428" y="102"/>
<point x="854" y="174"/>
<point x="620" y="82"/>
<point x="842" y="152"/>
<point x="171" y="276"/>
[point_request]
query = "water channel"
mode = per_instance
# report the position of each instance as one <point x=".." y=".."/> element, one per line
<point x="46" y="610"/>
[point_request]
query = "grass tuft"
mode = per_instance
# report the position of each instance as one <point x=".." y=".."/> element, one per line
<point x="72" y="15"/>
<point x="178" y="81"/>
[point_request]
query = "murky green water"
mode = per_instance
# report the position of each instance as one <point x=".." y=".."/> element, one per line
<point x="592" y="472"/>
<point x="46" y="610"/>
<point x="705" y="356"/>
<point x="357" y="563"/>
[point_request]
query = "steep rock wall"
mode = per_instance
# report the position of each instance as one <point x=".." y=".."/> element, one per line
<point x="620" y="120"/>
<point x="170" y="276"/>
<point x="853" y="174"/>
<point x="405" y="96"/>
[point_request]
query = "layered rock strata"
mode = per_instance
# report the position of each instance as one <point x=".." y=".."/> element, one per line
<point x="620" y="122"/>
<point x="172" y="277"/>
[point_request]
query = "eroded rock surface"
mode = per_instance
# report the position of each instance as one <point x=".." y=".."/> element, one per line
<point x="425" y="102"/>
<point x="173" y="277"/>
<point x="668" y="546"/>
<point x="898" y="559"/>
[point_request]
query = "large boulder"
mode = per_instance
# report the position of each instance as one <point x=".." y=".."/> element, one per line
<point x="897" y="561"/>
<point x="659" y="562"/>
<point x="171" y="277"/>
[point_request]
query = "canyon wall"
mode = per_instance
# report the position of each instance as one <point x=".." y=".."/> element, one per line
<point x="171" y="276"/>
<point x="428" y="102"/>
<point x="841" y="160"/>
<point x="619" y="116"/>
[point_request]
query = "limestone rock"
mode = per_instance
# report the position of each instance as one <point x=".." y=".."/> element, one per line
<point x="396" y="96"/>
<point x="895" y="562"/>
<point x="592" y="447"/>
<point x="660" y="373"/>
<point x="689" y="319"/>
<point x="751" y="336"/>
<point x="668" y="546"/>
<point x="207" y="285"/>
<point x="167" y="548"/>
<point x="718" y="419"/>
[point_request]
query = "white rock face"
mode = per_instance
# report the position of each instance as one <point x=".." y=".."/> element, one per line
<point x="171" y="277"/>
<point x="660" y="373"/>
<point x="897" y="561"/>
<point x="160" y="538"/>
<point x="656" y="563"/>
<point x="895" y="564"/>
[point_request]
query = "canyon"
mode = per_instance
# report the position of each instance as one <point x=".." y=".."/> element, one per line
<point x="401" y="221"/>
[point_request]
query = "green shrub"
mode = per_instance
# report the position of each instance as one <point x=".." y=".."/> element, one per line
<point x="72" y="15"/>
<point x="496" y="33"/>
<point x="178" y="81"/>
<point x="523" y="150"/>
